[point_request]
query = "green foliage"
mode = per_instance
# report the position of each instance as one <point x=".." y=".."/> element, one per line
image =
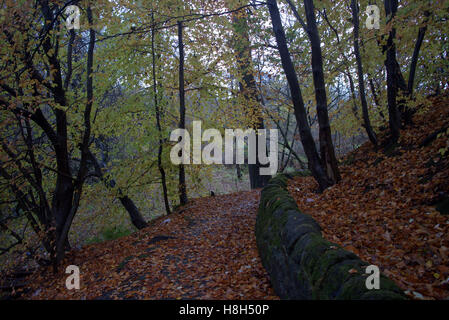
<point x="110" y="233"/>
<point x="124" y="137"/>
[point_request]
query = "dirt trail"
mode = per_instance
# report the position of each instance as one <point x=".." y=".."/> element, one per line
<point x="207" y="250"/>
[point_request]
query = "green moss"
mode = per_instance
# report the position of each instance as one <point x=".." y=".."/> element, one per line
<point x="292" y="234"/>
<point x="331" y="282"/>
<point x="330" y="258"/>
<point x="312" y="247"/>
<point x="301" y="264"/>
<point x="353" y="288"/>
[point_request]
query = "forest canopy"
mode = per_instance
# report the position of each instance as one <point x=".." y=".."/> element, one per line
<point x="86" y="113"/>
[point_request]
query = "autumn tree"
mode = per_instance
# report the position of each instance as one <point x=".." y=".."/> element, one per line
<point x="247" y="83"/>
<point x="366" y="120"/>
<point x="315" y="163"/>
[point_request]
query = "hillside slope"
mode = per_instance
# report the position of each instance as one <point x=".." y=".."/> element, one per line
<point x="384" y="209"/>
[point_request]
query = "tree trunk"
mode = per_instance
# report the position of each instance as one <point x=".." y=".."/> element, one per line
<point x="391" y="7"/>
<point x="182" y="114"/>
<point x="136" y="218"/>
<point x="300" y="113"/>
<point x="239" y="171"/>
<point x="326" y="145"/>
<point x="366" y="121"/>
<point x="414" y="62"/>
<point x="158" y="123"/>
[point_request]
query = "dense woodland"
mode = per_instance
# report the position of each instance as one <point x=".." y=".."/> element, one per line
<point x="86" y="113"/>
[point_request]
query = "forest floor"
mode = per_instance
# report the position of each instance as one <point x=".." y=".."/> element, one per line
<point x="206" y="250"/>
<point x="384" y="209"/>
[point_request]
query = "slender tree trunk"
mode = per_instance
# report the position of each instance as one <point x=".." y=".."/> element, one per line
<point x="62" y="241"/>
<point x="292" y="151"/>
<point x="300" y="113"/>
<point x="239" y="171"/>
<point x="326" y="145"/>
<point x="136" y="217"/>
<point x="414" y="62"/>
<point x="366" y="121"/>
<point x="392" y="75"/>
<point x="158" y="123"/>
<point x="63" y="195"/>
<point x="284" y="147"/>
<point x="355" y="109"/>
<point x="373" y="91"/>
<point x="182" y="114"/>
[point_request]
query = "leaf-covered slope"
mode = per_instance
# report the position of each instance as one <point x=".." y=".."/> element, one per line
<point x="384" y="209"/>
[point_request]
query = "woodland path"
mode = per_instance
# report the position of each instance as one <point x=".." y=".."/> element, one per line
<point x="205" y="250"/>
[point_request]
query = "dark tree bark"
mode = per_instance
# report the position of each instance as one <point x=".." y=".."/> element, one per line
<point x="373" y="91"/>
<point x="182" y="114"/>
<point x="391" y="7"/>
<point x="327" y="150"/>
<point x="300" y="113"/>
<point x="65" y="197"/>
<point x="238" y="171"/>
<point x="84" y="147"/>
<point x="326" y="145"/>
<point x="158" y="123"/>
<point x="136" y="217"/>
<point x="366" y="121"/>
<point x="421" y="33"/>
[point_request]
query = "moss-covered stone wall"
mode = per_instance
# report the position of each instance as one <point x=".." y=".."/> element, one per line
<point x="303" y="265"/>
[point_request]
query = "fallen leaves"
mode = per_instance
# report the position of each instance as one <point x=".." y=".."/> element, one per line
<point x="381" y="210"/>
<point x="206" y="252"/>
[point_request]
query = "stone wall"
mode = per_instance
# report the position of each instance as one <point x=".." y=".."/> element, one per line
<point x="303" y="265"/>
